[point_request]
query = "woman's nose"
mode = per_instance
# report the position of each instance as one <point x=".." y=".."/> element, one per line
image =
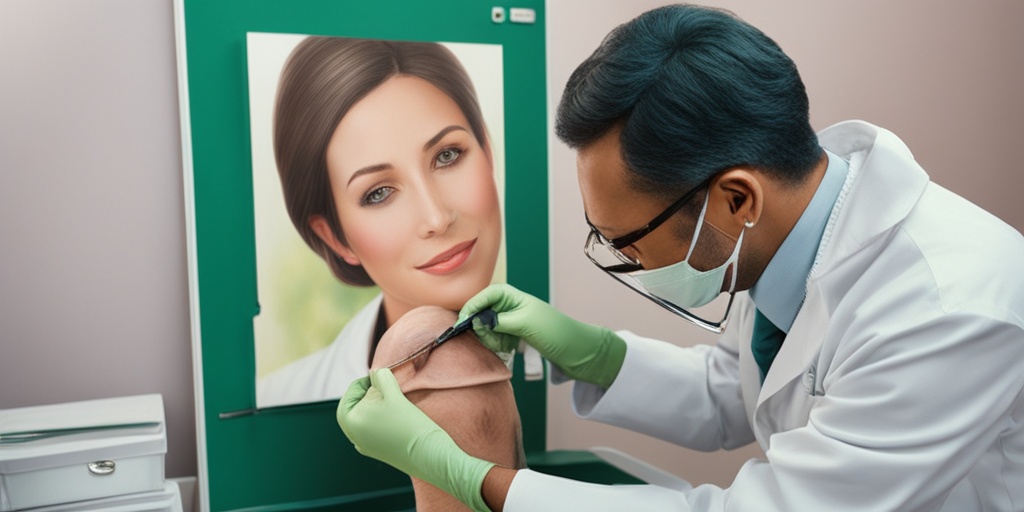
<point x="437" y="214"/>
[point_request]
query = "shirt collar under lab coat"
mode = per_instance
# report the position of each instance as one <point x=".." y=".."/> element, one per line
<point x="780" y="290"/>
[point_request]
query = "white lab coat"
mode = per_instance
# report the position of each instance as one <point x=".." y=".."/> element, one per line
<point x="326" y="373"/>
<point x="899" y="385"/>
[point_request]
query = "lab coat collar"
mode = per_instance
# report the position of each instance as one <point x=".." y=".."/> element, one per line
<point x="781" y="289"/>
<point x="882" y="187"/>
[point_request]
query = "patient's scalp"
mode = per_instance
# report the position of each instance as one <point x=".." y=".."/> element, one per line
<point x="459" y="362"/>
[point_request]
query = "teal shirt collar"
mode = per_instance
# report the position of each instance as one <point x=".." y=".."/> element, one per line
<point x="780" y="290"/>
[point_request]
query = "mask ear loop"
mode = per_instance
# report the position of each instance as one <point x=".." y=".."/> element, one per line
<point x="735" y="257"/>
<point x="747" y="224"/>
<point x="700" y="224"/>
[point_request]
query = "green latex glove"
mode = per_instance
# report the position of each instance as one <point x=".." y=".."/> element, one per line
<point x="582" y="351"/>
<point x="384" y="425"/>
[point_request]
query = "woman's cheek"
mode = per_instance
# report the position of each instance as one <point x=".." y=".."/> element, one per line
<point x="377" y="240"/>
<point x="478" y="195"/>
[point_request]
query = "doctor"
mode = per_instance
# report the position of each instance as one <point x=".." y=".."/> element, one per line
<point x="875" y="346"/>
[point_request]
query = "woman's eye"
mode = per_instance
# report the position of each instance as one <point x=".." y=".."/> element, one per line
<point x="377" y="196"/>
<point x="448" y="156"/>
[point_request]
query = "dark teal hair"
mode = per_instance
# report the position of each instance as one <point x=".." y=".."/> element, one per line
<point x="696" y="90"/>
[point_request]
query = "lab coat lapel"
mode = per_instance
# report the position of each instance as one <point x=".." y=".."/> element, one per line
<point x="750" y="377"/>
<point x="801" y="345"/>
<point x="783" y="402"/>
<point x="884" y="180"/>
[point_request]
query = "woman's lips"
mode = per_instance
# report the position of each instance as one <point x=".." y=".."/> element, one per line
<point x="449" y="261"/>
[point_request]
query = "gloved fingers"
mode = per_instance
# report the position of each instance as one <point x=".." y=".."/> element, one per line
<point x="384" y="425"/>
<point x="479" y="302"/>
<point x="499" y="297"/>
<point x="495" y="341"/>
<point x="531" y="319"/>
<point x="356" y="390"/>
<point x="353" y="395"/>
<point x="516" y="321"/>
<point x="386" y="386"/>
<point x="385" y="382"/>
<point x="509" y="358"/>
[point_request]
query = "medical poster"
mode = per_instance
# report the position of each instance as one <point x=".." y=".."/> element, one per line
<point x="319" y="207"/>
<point x="378" y="182"/>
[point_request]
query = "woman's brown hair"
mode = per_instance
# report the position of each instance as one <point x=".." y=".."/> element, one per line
<point x="321" y="80"/>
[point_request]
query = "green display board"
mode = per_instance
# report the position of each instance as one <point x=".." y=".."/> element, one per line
<point x="296" y="458"/>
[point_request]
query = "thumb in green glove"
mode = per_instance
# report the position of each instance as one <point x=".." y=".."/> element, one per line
<point x="382" y="424"/>
<point x="582" y="351"/>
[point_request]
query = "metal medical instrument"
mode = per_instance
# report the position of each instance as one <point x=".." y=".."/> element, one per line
<point x="487" y="317"/>
<point x="35" y="435"/>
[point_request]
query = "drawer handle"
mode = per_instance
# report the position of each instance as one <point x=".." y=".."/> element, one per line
<point x="101" y="467"/>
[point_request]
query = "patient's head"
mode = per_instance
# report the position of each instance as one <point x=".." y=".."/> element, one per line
<point x="461" y="385"/>
<point x="458" y="363"/>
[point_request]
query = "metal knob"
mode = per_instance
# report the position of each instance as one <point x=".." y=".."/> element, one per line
<point x="102" y="467"/>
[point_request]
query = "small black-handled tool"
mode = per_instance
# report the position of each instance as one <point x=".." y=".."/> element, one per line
<point x="487" y="317"/>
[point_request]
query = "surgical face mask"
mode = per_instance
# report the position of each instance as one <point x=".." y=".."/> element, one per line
<point x="685" y="286"/>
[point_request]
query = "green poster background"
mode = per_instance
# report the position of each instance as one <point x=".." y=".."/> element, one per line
<point x="296" y="458"/>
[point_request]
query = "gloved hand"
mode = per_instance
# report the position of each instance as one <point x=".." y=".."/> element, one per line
<point x="582" y="351"/>
<point x="384" y="425"/>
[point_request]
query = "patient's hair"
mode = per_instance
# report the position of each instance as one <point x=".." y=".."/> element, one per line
<point x="461" y="385"/>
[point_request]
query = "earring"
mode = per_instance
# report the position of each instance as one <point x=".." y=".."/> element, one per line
<point x="748" y="224"/>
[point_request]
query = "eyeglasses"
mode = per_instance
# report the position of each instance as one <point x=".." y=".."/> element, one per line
<point x="607" y="253"/>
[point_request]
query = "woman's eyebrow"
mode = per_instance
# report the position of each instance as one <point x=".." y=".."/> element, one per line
<point x="383" y="167"/>
<point x="368" y="170"/>
<point x="444" y="131"/>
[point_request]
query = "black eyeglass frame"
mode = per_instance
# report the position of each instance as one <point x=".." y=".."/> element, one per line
<point x="631" y="265"/>
<point x="618" y="243"/>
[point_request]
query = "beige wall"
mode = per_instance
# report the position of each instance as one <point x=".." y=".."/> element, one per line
<point x="93" y="293"/>
<point x="946" y="76"/>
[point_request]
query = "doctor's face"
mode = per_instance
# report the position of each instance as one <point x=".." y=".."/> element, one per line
<point x="616" y="209"/>
<point x="415" y="196"/>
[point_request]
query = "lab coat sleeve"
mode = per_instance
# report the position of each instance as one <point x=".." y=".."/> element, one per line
<point x="687" y="396"/>
<point x="897" y="428"/>
<point x="536" y="492"/>
<point x="886" y="436"/>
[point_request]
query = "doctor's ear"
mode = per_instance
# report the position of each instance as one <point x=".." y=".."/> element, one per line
<point x="739" y="196"/>
<point x="323" y="231"/>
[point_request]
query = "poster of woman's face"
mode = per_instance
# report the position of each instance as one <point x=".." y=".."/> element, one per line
<point x="378" y="170"/>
